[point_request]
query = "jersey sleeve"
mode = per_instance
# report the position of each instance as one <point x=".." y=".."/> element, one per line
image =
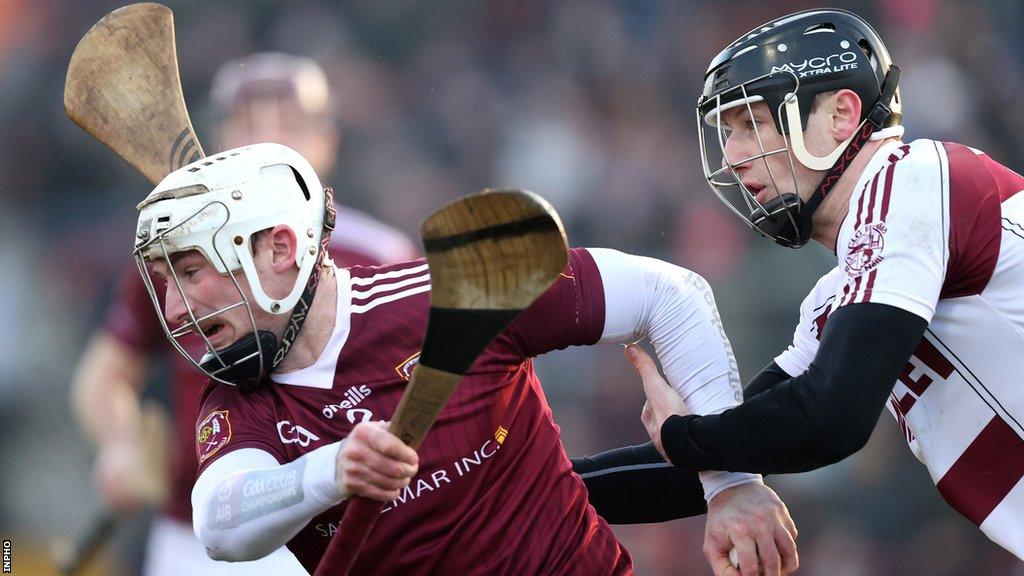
<point x="230" y="420"/>
<point x="813" y="312"/>
<point x="570" y="313"/>
<point x="131" y="317"/>
<point x="896" y="251"/>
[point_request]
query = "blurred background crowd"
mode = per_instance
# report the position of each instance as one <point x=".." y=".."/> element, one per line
<point x="590" y="104"/>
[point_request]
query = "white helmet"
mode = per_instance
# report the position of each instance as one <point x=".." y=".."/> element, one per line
<point x="216" y="205"/>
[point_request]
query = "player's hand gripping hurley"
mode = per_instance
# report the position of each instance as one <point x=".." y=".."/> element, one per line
<point x="491" y="254"/>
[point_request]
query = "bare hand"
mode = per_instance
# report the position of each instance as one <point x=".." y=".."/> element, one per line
<point x="751" y="519"/>
<point x="113" y="472"/>
<point x="662" y="399"/>
<point x="374" y="463"/>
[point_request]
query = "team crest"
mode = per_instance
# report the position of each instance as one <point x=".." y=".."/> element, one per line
<point x="865" y="249"/>
<point x="212" y="434"/>
<point x="405" y="368"/>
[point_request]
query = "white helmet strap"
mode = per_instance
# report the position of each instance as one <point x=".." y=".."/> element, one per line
<point x="259" y="294"/>
<point x="796" y="135"/>
<point x="301" y="310"/>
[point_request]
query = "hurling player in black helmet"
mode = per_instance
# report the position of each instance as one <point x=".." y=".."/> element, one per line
<point x="756" y="106"/>
<point x="800" y="132"/>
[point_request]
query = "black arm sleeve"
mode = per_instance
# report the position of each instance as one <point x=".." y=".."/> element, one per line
<point x="812" y="420"/>
<point x="634" y="485"/>
<point x="766" y="379"/>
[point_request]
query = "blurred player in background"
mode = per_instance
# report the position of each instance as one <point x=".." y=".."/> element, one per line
<point x="924" y="313"/>
<point x="276" y="97"/>
<point x="267" y="97"/>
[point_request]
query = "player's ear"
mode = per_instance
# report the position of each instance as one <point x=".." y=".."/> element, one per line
<point x="846" y="107"/>
<point x="283" y="245"/>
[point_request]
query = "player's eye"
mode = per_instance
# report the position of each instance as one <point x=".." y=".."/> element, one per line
<point x="191" y="271"/>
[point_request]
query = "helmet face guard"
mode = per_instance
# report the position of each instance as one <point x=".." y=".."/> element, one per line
<point x="774" y="216"/>
<point x="230" y="365"/>
<point x="785" y="64"/>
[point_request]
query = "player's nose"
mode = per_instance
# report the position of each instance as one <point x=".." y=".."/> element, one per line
<point x="175" y="311"/>
<point x="733" y="152"/>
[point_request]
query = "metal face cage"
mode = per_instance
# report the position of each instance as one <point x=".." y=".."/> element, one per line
<point x="158" y="243"/>
<point x="721" y="172"/>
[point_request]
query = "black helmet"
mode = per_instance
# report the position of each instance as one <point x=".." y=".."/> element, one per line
<point x="786" y="63"/>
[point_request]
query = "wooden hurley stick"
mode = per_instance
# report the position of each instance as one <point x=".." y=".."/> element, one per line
<point x="491" y="254"/>
<point x="123" y="88"/>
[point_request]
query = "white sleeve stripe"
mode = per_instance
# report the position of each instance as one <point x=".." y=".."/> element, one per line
<point x="940" y="151"/>
<point x="628" y="468"/>
<point x="358" y="294"/>
<point x="358" y="281"/>
<point x="373" y="303"/>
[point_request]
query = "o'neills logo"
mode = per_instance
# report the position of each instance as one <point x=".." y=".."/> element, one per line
<point x="405" y="368"/>
<point x="212" y="434"/>
<point x="865" y="251"/>
<point x="353" y="396"/>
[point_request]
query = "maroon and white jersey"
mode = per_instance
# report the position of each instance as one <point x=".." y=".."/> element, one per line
<point x="357" y="240"/>
<point x="937" y="229"/>
<point x="495" y="492"/>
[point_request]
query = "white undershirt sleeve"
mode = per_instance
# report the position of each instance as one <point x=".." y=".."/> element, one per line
<point x="797" y="358"/>
<point x="675" y="309"/>
<point x="246" y="505"/>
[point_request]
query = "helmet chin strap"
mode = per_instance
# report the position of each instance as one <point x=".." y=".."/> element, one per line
<point x="244" y="362"/>
<point x="788" y="218"/>
<point x="240" y="363"/>
<point x="799" y="148"/>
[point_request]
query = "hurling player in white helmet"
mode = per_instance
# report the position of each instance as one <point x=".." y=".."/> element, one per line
<point x="241" y="240"/>
<point x="924" y="312"/>
<point x="214" y="211"/>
